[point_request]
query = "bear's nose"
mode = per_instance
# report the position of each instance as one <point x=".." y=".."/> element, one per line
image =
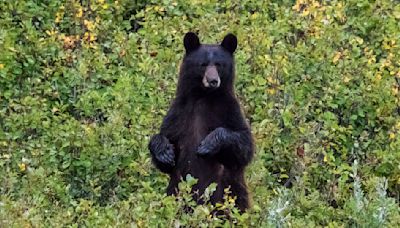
<point x="213" y="83"/>
<point x="211" y="78"/>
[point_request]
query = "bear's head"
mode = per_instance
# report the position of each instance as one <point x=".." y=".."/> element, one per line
<point x="207" y="67"/>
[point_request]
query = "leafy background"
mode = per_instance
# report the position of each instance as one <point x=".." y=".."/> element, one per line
<point x="83" y="84"/>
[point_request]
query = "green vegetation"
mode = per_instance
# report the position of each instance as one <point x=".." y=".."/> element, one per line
<point x="84" y="85"/>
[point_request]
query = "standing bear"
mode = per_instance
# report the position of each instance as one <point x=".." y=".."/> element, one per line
<point x="204" y="133"/>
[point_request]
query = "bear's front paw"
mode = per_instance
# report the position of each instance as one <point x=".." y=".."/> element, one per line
<point x="206" y="149"/>
<point x="212" y="143"/>
<point x="166" y="156"/>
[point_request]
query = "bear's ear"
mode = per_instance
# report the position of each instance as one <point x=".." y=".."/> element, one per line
<point x="191" y="42"/>
<point x="229" y="43"/>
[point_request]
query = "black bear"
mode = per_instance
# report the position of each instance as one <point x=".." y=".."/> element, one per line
<point x="204" y="132"/>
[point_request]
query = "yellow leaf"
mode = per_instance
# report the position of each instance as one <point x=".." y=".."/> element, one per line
<point x="325" y="158"/>
<point x="1" y="65"/>
<point x="395" y="90"/>
<point x="270" y="80"/>
<point x="372" y="59"/>
<point x="271" y="91"/>
<point x="79" y="14"/>
<point x="59" y="16"/>
<point x="22" y="167"/>
<point x="54" y="110"/>
<point x="337" y="57"/>
<point x="254" y="16"/>
<point x="51" y="32"/>
<point x="88" y="130"/>
<point x="305" y="13"/>
<point x="89" y="25"/>
<point x="90" y="36"/>
<point x="392" y="135"/>
<point x="359" y="40"/>
<point x="7" y="156"/>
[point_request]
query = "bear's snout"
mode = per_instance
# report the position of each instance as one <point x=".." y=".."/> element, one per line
<point x="211" y="78"/>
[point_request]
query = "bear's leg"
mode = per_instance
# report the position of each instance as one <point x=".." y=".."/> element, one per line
<point x="242" y="196"/>
<point x="238" y="189"/>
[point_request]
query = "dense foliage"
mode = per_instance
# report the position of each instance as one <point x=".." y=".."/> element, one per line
<point x="83" y="84"/>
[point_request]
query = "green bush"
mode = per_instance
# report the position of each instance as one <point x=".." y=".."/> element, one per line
<point x="84" y="84"/>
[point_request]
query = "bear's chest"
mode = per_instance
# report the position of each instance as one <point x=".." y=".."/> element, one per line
<point x="200" y="125"/>
<point x="203" y="120"/>
<point x="200" y="120"/>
